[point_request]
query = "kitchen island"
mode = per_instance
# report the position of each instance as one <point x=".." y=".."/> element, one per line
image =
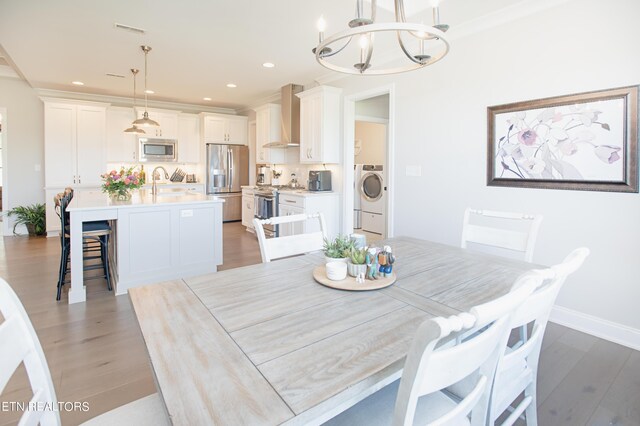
<point x="171" y="235"/>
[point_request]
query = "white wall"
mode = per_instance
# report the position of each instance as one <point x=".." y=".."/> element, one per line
<point x="24" y="142"/>
<point x="377" y="106"/>
<point x="440" y="124"/>
<point x="373" y="137"/>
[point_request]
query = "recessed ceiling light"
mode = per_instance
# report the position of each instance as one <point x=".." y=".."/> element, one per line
<point x="231" y="85"/>
<point x="150" y="92"/>
<point x="268" y="65"/>
<point x="206" y="99"/>
<point x="77" y="83"/>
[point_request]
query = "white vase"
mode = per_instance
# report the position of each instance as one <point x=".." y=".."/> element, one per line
<point x="354" y="269"/>
<point x="332" y="259"/>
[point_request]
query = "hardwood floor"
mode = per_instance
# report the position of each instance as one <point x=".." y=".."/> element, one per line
<point x="96" y="353"/>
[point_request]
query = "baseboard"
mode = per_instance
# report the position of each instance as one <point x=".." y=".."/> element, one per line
<point x="608" y="330"/>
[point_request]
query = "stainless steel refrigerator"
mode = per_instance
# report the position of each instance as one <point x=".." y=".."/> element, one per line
<point x="227" y="170"/>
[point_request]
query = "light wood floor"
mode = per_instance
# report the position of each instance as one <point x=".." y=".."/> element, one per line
<point x="96" y="353"/>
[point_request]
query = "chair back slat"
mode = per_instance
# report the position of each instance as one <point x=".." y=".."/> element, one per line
<point x="290" y="245"/>
<point x="11" y="355"/>
<point x="25" y="347"/>
<point x="526" y="352"/>
<point x="522" y="242"/>
<point x="429" y="370"/>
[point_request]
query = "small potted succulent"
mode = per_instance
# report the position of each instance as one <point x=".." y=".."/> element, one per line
<point x="339" y="249"/>
<point x="357" y="262"/>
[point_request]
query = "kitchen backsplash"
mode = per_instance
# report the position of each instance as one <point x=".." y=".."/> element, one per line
<point x="170" y="167"/>
<point x="301" y="171"/>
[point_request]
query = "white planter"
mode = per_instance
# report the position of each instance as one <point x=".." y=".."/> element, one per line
<point x="354" y="270"/>
<point x="331" y="259"/>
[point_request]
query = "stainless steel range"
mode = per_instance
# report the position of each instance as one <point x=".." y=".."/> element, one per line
<point x="266" y="207"/>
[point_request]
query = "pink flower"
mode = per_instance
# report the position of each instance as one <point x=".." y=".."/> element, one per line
<point x="136" y="182"/>
<point x="107" y="183"/>
<point x="127" y="181"/>
<point x="607" y="153"/>
<point x="527" y="137"/>
<point x="113" y="172"/>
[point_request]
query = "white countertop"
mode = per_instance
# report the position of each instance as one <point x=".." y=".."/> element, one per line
<point x="93" y="200"/>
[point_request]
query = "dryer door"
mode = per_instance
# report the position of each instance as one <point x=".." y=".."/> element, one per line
<point x="371" y="186"/>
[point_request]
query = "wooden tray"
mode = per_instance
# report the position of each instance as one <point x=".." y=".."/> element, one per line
<point x="349" y="283"/>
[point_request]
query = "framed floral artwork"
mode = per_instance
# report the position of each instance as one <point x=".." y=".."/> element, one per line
<point x="587" y="141"/>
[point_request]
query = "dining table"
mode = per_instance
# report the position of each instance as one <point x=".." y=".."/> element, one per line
<point x="266" y="344"/>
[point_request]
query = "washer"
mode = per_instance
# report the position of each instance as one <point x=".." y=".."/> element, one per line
<point x="357" y="204"/>
<point x="371" y="189"/>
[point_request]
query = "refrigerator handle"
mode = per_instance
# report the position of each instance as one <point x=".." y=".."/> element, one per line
<point x="231" y="171"/>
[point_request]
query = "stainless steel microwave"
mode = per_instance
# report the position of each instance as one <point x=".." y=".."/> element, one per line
<point x="155" y="150"/>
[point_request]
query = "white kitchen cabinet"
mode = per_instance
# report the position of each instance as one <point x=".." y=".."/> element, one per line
<point x="167" y="119"/>
<point x="248" y="207"/>
<point x="248" y="210"/>
<point x="268" y="122"/>
<point x="220" y="128"/>
<point x="188" y="138"/>
<point x="75" y="147"/>
<point x="121" y="146"/>
<point x="293" y="228"/>
<point x="293" y="203"/>
<point x="320" y="125"/>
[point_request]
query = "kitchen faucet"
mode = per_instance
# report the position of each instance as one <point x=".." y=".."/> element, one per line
<point x="154" y="176"/>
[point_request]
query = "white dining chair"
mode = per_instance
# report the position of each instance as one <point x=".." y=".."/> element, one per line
<point x="518" y="365"/>
<point x="290" y="245"/>
<point x="19" y="344"/>
<point x="505" y="237"/>
<point x="431" y="366"/>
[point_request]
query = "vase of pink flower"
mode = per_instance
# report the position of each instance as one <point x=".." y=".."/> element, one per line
<point x="119" y="184"/>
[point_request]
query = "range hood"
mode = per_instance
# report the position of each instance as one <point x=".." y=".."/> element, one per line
<point x="290" y="123"/>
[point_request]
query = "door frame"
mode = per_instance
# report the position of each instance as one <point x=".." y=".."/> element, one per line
<point x="349" y="152"/>
<point x="6" y="229"/>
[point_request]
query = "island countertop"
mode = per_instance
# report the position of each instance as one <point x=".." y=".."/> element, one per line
<point x="95" y="199"/>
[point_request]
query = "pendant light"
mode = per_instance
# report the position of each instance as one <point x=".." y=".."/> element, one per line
<point x="145" y="121"/>
<point x="134" y="129"/>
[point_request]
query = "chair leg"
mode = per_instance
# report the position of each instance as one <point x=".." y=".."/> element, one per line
<point x="106" y="262"/>
<point x="64" y="261"/>
<point x="531" y="411"/>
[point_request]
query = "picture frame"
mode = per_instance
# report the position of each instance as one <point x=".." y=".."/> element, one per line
<point x="586" y="141"/>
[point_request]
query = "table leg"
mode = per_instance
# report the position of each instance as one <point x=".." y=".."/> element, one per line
<point x="77" y="293"/>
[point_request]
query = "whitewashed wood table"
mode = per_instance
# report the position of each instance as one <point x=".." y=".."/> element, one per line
<point x="267" y="345"/>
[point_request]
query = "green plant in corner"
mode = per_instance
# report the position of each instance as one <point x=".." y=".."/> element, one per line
<point x="339" y="248"/>
<point x="33" y="217"/>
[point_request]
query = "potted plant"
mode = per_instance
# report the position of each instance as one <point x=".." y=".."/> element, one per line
<point x="339" y="249"/>
<point x="356" y="264"/>
<point x="33" y="217"/>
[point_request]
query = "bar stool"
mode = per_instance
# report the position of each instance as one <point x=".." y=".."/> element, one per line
<point x="95" y="237"/>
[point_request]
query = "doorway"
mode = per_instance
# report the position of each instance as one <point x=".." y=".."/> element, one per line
<point x="368" y="154"/>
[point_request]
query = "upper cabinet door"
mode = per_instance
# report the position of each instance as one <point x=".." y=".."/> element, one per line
<point x="237" y="130"/>
<point x="320" y="125"/>
<point x="91" y="135"/>
<point x="268" y="122"/>
<point x="215" y="129"/>
<point x="121" y="146"/>
<point x="60" y="144"/>
<point x="188" y="138"/>
<point x="225" y="129"/>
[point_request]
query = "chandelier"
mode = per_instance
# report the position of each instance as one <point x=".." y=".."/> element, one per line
<point x="420" y="44"/>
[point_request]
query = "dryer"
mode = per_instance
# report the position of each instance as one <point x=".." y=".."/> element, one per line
<point x="371" y="188"/>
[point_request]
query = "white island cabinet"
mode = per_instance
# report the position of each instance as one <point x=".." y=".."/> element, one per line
<point x="155" y="238"/>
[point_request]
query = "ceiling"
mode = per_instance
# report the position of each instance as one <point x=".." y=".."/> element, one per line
<point x="198" y="46"/>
